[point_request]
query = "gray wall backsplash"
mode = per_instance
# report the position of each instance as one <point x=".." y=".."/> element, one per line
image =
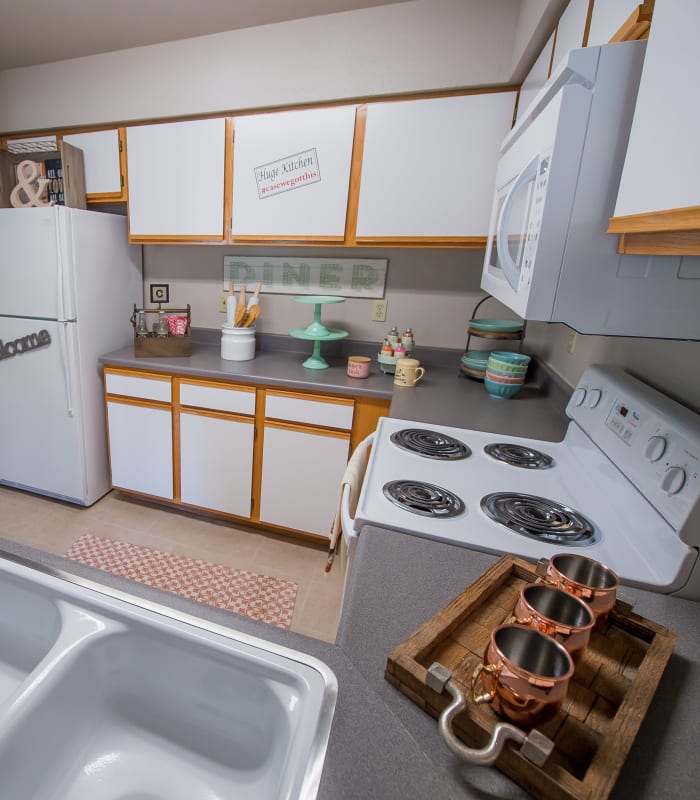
<point x="433" y="291"/>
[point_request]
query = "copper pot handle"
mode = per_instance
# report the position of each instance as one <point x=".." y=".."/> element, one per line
<point x="489" y="669"/>
<point x="534" y="746"/>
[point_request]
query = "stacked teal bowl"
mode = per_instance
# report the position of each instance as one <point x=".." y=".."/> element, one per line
<point x="505" y="373"/>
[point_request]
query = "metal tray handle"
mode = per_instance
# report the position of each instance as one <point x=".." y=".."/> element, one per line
<point x="535" y="746"/>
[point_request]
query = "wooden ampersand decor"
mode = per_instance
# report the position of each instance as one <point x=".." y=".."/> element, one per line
<point x="30" y="185"/>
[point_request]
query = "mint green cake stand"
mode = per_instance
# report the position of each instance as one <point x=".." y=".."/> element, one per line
<point x="317" y="332"/>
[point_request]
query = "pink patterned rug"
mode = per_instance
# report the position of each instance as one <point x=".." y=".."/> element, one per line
<point x="256" y="596"/>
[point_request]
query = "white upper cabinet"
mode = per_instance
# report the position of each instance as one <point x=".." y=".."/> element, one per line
<point x="536" y="77"/>
<point x="101" y="157"/>
<point x="176" y="180"/>
<point x="429" y="165"/>
<point x="291" y="173"/>
<point x="571" y="29"/>
<point x="607" y="18"/>
<point x="662" y="165"/>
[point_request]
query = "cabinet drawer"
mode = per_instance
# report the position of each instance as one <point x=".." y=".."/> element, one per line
<point x="138" y="386"/>
<point x="237" y="401"/>
<point x="313" y="412"/>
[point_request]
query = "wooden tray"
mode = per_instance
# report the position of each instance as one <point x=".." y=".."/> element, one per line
<point x="162" y="347"/>
<point x="608" y="697"/>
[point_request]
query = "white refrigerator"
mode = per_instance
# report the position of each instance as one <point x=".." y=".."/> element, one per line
<point x="68" y="283"/>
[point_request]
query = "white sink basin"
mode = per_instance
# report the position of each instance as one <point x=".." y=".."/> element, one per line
<point x="106" y="697"/>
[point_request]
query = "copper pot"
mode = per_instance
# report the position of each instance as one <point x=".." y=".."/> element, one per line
<point x="583" y="577"/>
<point x="524" y="675"/>
<point x="556" y="613"/>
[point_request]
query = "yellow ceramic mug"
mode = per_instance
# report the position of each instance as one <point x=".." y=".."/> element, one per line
<point x="408" y="372"/>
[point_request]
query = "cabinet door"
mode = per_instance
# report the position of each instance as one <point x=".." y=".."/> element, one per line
<point x="102" y="153"/>
<point x="291" y="173"/>
<point x="571" y="29"/>
<point x="141" y="448"/>
<point x="176" y="181"/>
<point x="536" y="77"/>
<point x="429" y="166"/>
<point x="301" y="476"/>
<point x="607" y="18"/>
<point x="216" y="462"/>
<point x="662" y="163"/>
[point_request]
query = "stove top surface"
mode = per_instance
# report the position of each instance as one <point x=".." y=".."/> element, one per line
<point x="599" y="513"/>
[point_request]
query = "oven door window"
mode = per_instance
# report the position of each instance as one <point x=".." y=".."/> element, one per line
<point x="514" y="202"/>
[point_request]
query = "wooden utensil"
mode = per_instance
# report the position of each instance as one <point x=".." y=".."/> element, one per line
<point x="254" y="309"/>
<point x="241" y="310"/>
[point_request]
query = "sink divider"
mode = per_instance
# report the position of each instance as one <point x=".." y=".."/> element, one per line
<point x="79" y="630"/>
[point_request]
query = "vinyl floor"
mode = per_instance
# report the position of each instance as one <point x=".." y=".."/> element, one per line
<point x="52" y="525"/>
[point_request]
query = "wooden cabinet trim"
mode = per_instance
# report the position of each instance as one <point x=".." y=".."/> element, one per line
<point x="216" y="383"/>
<point x="663" y="243"/>
<point x="137" y="401"/>
<point x="138" y="373"/>
<point x="208" y="412"/>
<point x="672" y="219"/>
<point x="473" y="242"/>
<point x="301" y="394"/>
<point x="229" y="133"/>
<point x="269" y="239"/>
<point x="637" y="25"/>
<point x="304" y="427"/>
<point x="358" y="147"/>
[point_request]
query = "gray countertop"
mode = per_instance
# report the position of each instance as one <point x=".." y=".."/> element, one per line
<point x="382" y="745"/>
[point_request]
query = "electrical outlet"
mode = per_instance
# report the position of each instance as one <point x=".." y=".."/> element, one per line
<point x="571" y="345"/>
<point x="379" y="310"/>
<point x="222" y="302"/>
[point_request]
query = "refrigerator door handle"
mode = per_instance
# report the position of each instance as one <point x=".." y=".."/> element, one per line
<point x="68" y="362"/>
<point x="64" y="277"/>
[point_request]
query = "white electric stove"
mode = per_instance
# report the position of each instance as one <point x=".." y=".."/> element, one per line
<point x="623" y="487"/>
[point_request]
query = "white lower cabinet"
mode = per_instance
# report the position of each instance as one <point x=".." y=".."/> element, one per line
<point x="216" y="462"/>
<point x="193" y="441"/>
<point x="301" y="477"/>
<point x="141" y="448"/>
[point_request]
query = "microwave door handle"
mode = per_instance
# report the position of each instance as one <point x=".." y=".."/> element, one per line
<point x="510" y="269"/>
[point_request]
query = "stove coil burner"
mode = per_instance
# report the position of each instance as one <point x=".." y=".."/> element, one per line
<point x="539" y="518"/>
<point x="425" y="499"/>
<point x="517" y="455"/>
<point x="430" y="444"/>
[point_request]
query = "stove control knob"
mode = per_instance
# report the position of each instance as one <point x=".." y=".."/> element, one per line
<point x="673" y="481"/>
<point x="594" y="398"/>
<point x="656" y="447"/>
<point x="578" y="397"/>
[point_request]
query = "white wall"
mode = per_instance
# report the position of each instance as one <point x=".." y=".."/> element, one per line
<point x="407" y="47"/>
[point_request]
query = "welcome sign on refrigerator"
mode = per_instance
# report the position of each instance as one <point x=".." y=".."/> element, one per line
<point x="68" y="280"/>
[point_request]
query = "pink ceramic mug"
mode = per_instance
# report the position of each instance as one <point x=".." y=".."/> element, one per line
<point x="358" y="366"/>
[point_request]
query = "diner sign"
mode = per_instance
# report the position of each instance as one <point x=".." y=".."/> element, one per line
<point x="285" y="174"/>
<point x="343" y="277"/>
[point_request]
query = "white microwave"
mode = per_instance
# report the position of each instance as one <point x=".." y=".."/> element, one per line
<point x="548" y="255"/>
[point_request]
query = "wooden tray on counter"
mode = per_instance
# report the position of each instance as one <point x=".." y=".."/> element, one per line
<point x="609" y="695"/>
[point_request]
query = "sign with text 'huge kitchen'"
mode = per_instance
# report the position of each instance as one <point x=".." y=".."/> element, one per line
<point x="344" y="277"/>
<point x="288" y="173"/>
